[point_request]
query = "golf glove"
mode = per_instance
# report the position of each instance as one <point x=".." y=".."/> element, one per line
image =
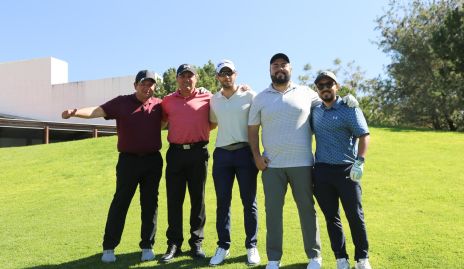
<point x="350" y="101"/>
<point x="356" y="171"/>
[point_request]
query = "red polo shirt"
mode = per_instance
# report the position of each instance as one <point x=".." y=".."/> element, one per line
<point x="138" y="124"/>
<point x="188" y="117"/>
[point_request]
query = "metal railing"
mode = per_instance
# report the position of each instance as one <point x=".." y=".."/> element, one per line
<point x="47" y="126"/>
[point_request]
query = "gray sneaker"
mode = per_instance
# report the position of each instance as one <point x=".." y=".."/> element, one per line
<point x="147" y="255"/>
<point x="108" y="256"/>
<point x="343" y="263"/>
<point x="363" y="264"/>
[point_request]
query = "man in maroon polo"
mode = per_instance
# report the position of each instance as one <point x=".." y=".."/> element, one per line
<point x="187" y="114"/>
<point x="138" y="122"/>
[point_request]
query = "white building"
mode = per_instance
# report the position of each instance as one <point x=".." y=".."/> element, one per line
<point x="38" y="89"/>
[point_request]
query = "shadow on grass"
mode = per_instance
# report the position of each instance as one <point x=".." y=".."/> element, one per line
<point x="131" y="260"/>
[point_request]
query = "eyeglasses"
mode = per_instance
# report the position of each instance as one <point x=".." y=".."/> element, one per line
<point x="321" y="86"/>
<point x="226" y="73"/>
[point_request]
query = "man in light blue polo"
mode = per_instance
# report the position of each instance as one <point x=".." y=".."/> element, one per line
<point x="342" y="137"/>
<point x="232" y="159"/>
<point x="282" y="110"/>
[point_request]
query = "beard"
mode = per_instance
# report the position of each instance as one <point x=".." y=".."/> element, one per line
<point x="327" y="97"/>
<point x="280" y="78"/>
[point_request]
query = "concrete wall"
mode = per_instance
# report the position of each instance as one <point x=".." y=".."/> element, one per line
<point x="39" y="89"/>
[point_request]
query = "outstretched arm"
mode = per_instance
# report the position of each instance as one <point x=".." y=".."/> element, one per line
<point x="86" y="113"/>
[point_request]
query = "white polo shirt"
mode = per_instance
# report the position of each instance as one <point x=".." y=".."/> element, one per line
<point x="284" y="118"/>
<point x="231" y="115"/>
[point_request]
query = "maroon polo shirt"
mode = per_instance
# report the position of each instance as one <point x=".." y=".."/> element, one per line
<point x="138" y="124"/>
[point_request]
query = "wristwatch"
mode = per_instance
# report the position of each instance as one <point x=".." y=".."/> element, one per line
<point x="359" y="158"/>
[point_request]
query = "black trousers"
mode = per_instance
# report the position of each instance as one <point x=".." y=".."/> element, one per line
<point x="186" y="168"/>
<point x="332" y="184"/>
<point x="131" y="171"/>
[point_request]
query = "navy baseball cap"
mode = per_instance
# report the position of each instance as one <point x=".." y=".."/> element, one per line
<point x="186" y="67"/>
<point x="279" y="56"/>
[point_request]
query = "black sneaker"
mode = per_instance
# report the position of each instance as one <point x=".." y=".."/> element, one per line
<point x="197" y="253"/>
<point x="172" y="252"/>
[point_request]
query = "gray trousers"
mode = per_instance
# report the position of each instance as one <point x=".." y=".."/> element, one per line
<point x="275" y="182"/>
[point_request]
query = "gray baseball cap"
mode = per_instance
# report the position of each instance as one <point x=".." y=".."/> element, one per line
<point x="325" y="74"/>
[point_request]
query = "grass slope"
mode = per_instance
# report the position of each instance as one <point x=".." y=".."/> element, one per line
<point x="54" y="200"/>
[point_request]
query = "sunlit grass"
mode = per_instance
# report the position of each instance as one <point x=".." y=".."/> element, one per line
<point x="54" y="200"/>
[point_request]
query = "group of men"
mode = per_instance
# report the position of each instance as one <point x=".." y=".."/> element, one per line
<point x="288" y="115"/>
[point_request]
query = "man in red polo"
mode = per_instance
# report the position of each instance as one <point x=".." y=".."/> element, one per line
<point x="187" y="114"/>
<point x="138" y="122"/>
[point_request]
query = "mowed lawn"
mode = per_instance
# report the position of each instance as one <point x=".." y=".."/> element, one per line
<point x="54" y="201"/>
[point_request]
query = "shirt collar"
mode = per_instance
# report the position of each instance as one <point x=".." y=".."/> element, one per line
<point x="335" y="106"/>
<point x="291" y="87"/>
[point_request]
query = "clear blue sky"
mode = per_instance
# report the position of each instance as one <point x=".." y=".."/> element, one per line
<point x="101" y="39"/>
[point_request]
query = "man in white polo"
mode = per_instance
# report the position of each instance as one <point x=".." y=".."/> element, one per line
<point x="232" y="159"/>
<point x="282" y="110"/>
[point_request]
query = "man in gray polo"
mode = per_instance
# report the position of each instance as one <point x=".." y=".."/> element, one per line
<point x="282" y="110"/>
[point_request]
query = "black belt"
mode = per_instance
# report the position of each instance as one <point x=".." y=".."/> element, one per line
<point x="201" y="144"/>
<point x="235" y="146"/>
<point x="139" y="154"/>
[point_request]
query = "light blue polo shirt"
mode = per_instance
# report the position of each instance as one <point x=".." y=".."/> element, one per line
<point x="337" y="130"/>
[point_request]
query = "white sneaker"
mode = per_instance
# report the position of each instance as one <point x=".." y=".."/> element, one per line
<point x="363" y="264"/>
<point x="315" y="263"/>
<point x="147" y="255"/>
<point x="343" y="263"/>
<point x="273" y="265"/>
<point x="220" y="255"/>
<point x="108" y="256"/>
<point x="253" y="256"/>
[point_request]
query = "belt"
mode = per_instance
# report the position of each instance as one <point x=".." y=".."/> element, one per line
<point x="201" y="144"/>
<point x="139" y="154"/>
<point x="235" y="146"/>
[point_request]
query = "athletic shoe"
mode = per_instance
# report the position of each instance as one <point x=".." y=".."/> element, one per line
<point x="220" y="255"/>
<point x="108" y="256"/>
<point x="147" y="255"/>
<point x="253" y="256"/>
<point x="363" y="264"/>
<point x="273" y="265"/>
<point x="343" y="263"/>
<point x="315" y="263"/>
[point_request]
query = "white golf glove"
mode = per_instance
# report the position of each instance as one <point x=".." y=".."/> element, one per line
<point x="356" y="171"/>
<point x="350" y="101"/>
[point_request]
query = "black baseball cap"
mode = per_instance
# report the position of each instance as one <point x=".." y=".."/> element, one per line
<point x="279" y="56"/>
<point x="145" y="74"/>
<point x="186" y="67"/>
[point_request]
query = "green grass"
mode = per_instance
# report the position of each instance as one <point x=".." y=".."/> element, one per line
<point x="54" y="200"/>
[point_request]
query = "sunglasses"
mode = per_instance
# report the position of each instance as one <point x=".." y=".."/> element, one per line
<point x="329" y="85"/>
<point x="225" y="73"/>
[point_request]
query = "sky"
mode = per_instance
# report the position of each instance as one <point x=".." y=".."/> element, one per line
<point x="102" y="38"/>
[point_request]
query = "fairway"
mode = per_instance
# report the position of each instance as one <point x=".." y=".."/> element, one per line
<point x="55" y="198"/>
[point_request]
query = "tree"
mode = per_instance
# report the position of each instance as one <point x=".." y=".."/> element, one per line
<point x="420" y="90"/>
<point x="206" y="79"/>
<point x="350" y="77"/>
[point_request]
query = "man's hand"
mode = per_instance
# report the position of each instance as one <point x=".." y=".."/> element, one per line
<point x="350" y="101"/>
<point x="261" y="162"/>
<point x="356" y="171"/>
<point x="68" y="113"/>
<point x="244" y="87"/>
